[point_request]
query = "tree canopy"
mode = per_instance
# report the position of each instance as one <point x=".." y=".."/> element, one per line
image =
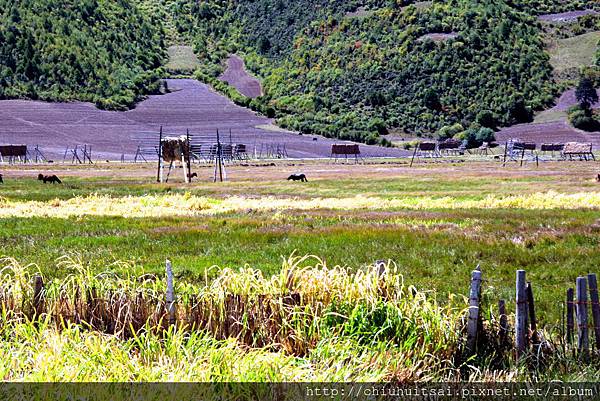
<point x="103" y="51"/>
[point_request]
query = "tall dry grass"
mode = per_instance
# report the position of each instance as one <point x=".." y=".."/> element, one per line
<point x="306" y="311"/>
<point x="190" y="205"/>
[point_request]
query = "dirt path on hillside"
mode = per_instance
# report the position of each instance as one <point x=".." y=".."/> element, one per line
<point x="237" y="76"/>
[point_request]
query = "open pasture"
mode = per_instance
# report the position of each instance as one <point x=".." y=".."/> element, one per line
<point x="435" y="221"/>
<point x="109" y="228"/>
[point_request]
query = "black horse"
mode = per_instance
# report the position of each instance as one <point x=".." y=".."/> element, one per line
<point x="297" y="177"/>
<point x="1" y="180"/>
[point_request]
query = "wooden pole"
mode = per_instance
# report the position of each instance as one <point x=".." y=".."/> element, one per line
<point x="159" y="174"/>
<point x="380" y="267"/>
<point x="38" y="294"/>
<point x="593" y="284"/>
<point x="570" y="315"/>
<point x="521" y="314"/>
<point x="473" y="311"/>
<point x="583" y="341"/>
<point x="189" y="155"/>
<point x="170" y="297"/>
<point x="186" y="173"/>
<point x="219" y="157"/>
<point x="532" y="320"/>
<point x="503" y="320"/>
<point x="413" y="156"/>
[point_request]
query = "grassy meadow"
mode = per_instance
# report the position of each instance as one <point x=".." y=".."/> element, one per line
<point x="433" y="224"/>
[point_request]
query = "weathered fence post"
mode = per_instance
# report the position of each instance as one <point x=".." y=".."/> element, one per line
<point x="521" y="314"/>
<point x="503" y="321"/>
<point x="38" y="294"/>
<point x="159" y="173"/>
<point x="380" y="267"/>
<point x="583" y="341"/>
<point x="473" y="310"/>
<point x="593" y="284"/>
<point x="570" y="315"/>
<point x="532" y="320"/>
<point x="170" y="294"/>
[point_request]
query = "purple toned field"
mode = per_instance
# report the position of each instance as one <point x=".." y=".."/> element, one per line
<point x="568" y="100"/>
<point x="566" y="17"/>
<point x="552" y="131"/>
<point x="237" y="76"/>
<point x="191" y="105"/>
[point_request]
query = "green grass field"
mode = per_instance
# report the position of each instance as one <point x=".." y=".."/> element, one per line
<point x="435" y="223"/>
<point x="572" y="53"/>
<point x="182" y="59"/>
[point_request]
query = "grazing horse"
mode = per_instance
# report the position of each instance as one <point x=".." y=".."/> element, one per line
<point x="297" y="177"/>
<point x="597" y="178"/>
<point x="49" y="178"/>
<point x="1" y="180"/>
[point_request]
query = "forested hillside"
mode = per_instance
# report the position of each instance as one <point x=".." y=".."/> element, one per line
<point x="351" y="69"/>
<point x="103" y="51"/>
<point x="366" y="74"/>
<point x="355" y="77"/>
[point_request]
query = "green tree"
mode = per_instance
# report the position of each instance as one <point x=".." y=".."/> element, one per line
<point x="586" y="93"/>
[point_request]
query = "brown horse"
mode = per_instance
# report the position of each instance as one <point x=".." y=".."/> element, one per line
<point x="49" y="178"/>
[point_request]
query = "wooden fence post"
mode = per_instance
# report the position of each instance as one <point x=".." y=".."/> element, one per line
<point x="503" y="321"/>
<point x="473" y="310"/>
<point x="38" y="294"/>
<point x="532" y="319"/>
<point x="380" y="267"/>
<point x="583" y="341"/>
<point x="593" y="284"/>
<point x="170" y="298"/>
<point x="570" y="315"/>
<point x="521" y="314"/>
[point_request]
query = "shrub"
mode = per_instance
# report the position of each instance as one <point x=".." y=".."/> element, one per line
<point x="583" y="120"/>
<point x="476" y="136"/>
<point x="485" y="118"/>
<point x="449" y="131"/>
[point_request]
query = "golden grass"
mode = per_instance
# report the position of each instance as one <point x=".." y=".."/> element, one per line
<point x="259" y="337"/>
<point x="189" y="205"/>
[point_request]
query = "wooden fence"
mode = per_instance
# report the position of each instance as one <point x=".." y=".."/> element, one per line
<point x="527" y="338"/>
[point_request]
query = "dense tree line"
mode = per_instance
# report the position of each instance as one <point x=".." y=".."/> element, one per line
<point x="104" y="51"/>
<point x="356" y="78"/>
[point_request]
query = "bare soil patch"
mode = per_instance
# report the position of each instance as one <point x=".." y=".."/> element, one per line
<point x="191" y="105"/>
<point x="566" y="17"/>
<point x="550" y="132"/>
<point x="439" y="37"/>
<point x="237" y="76"/>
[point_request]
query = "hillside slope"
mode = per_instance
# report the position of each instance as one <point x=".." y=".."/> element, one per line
<point x="356" y="70"/>
<point x="348" y="69"/>
<point x="103" y="51"/>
